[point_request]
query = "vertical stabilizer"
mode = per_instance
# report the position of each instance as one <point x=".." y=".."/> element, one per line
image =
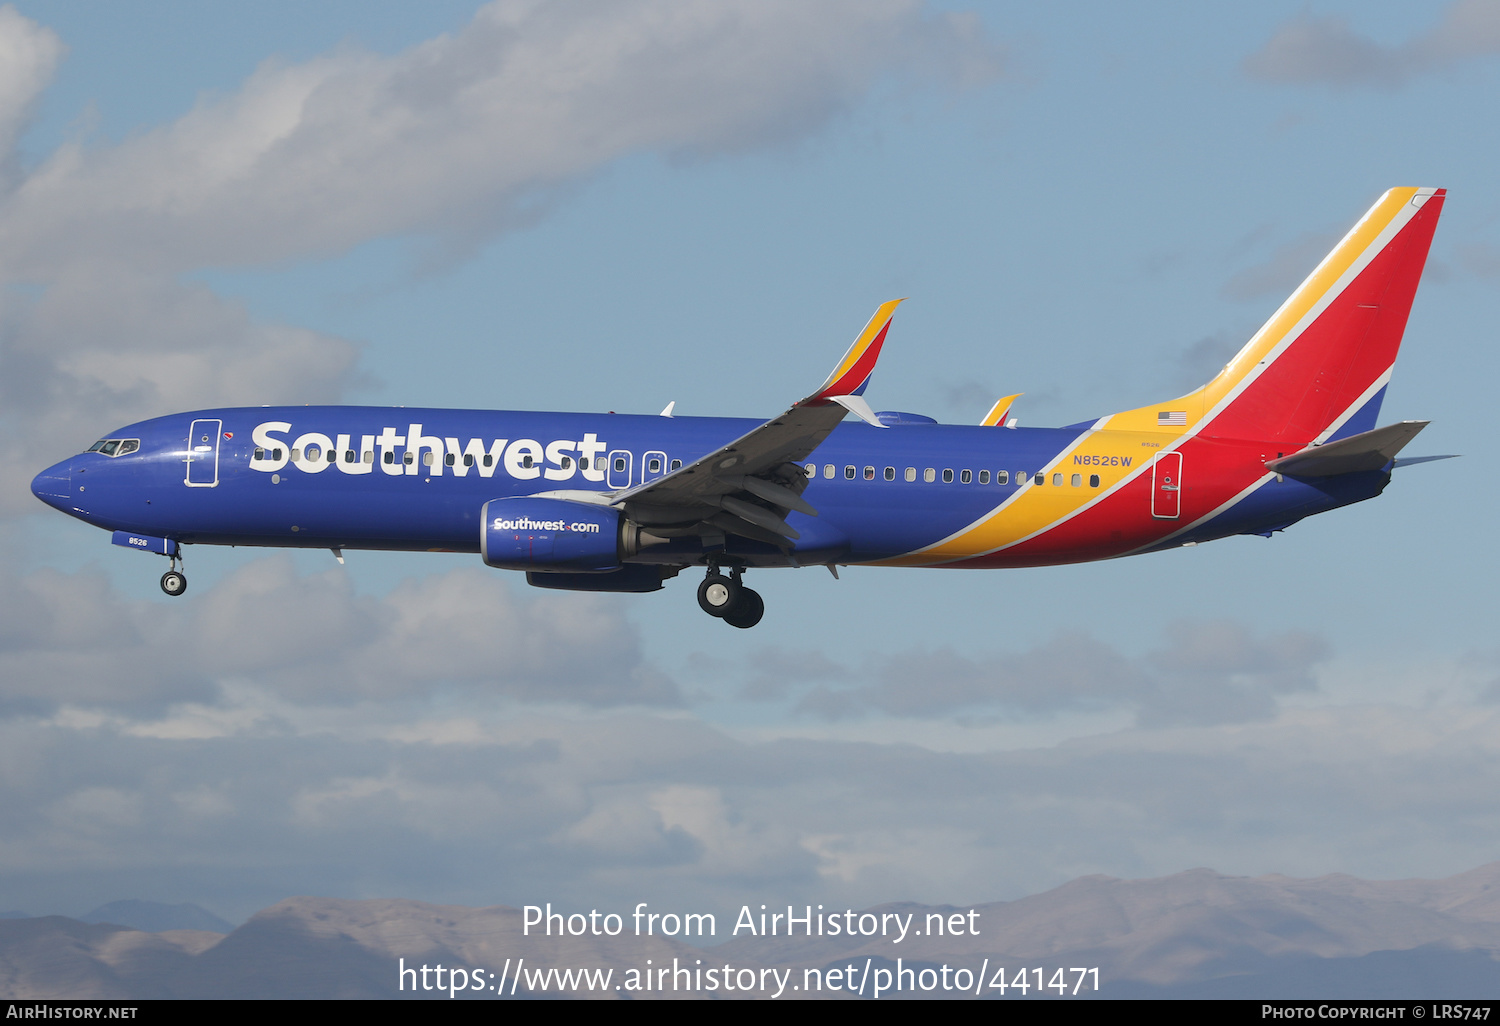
<point x="1318" y="368"/>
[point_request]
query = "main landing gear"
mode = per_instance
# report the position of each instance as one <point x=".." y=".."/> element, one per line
<point x="174" y="581"/>
<point x="728" y="599"/>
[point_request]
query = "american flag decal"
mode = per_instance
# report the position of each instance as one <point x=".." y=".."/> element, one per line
<point x="1173" y="418"/>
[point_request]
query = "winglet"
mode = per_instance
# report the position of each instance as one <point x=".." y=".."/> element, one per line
<point x="997" y="414"/>
<point x="853" y="372"/>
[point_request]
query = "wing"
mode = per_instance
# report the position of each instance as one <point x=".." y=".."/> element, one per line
<point x="748" y="486"/>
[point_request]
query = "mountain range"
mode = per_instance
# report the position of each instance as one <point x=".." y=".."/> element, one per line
<point x="1193" y="934"/>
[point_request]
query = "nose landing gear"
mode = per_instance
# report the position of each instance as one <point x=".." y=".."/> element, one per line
<point x="730" y="600"/>
<point x="174" y="581"/>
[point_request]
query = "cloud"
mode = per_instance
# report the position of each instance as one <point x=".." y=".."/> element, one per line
<point x="606" y="810"/>
<point x="1327" y="51"/>
<point x="310" y="159"/>
<point x="455" y="139"/>
<point x="1206" y="672"/>
<point x="29" y="54"/>
<point x="71" y="640"/>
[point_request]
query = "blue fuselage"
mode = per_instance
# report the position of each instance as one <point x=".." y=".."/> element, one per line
<point x="417" y="479"/>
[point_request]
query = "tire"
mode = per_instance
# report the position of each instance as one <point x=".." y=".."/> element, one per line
<point x="747" y="611"/>
<point x="173" y="583"/>
<point x="717" y="594"/>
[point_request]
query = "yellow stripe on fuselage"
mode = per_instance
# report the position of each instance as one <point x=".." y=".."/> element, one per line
<point x="1116" y="456"/>
<point x="1141" y="432"/>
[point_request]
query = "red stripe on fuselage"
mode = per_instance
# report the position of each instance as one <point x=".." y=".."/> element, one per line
<point x="1213" y="472"/>
<point x="1317" y="378"/>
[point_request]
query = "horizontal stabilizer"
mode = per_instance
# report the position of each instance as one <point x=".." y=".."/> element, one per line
<point x="1368" y="450"/>
<point x="1411" y="461"/>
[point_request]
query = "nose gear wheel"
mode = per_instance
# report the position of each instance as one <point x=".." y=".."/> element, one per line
<point x="174" y="581"/>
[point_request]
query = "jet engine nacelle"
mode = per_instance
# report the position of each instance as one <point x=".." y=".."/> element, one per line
<point x="551" y="535"/>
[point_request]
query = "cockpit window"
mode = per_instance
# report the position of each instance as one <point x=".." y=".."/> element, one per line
<point x="115" y="446"/>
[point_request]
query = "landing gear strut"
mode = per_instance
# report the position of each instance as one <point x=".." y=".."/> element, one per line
<point x="728" y="599"/>
<point x="174" y="581"/>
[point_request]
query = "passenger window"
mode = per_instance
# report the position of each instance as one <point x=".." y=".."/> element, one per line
<point x="911" y="473"/>
<point x="567" y="462"/>
<point x="655" y="466"/>
<point x="984" y="477"/>
<point x="1002" y="477"/>
<point x="828" y="471"/>
<point x="350" y="456"/>
<point x="276" y="453"/>
<point x="489" y="461"/>
<point x="127" y="446"/>
<point x="407" y="458"/>
<point x="619" y="464"/>
<point x="947" y="477"/>
<point x="583" y="462"/>
<point x="1093" y="480"/>
<point x="1077" y="481"/>
<point x="449" y="459"/>
<point x="312" y="453"/>
<point x="528" y="461"/>
<point x="812" y="469"/>
<point x="369" y="456"/>
<point x="296" y="456"/>
<point x="1040" y="478"/>
<point x="469" y="459"/>
<point x="676" y="464"/>
<point x="890" y="473"/>
<point x="849" y="473"/>
<point x="869" y="473"/>
<point x="929" y="475"/>
<point x="260" y="454"/>
<point x="332" y="456"/>
<point x="965" y="477"/>
<point x="1057" y="480"/>
<point x="427" y="458"/>
<point x="390" y="457"/>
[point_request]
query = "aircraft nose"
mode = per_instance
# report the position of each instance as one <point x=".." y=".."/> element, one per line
<point x="54" y="486"/>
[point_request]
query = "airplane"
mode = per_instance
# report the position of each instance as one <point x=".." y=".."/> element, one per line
<point x="619" y="503"/>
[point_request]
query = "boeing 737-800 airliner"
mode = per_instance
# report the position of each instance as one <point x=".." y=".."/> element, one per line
<point x="604" y="502"/>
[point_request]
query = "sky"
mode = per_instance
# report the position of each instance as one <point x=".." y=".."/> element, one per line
<point x="579" y="206"/>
